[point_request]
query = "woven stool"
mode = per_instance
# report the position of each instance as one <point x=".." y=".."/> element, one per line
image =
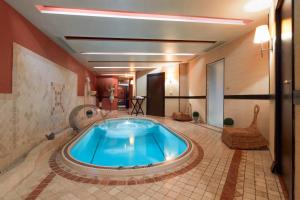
<point x="184" y="116"/>
<point x="245" y="138"/>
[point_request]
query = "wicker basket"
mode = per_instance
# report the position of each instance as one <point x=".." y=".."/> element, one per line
<point x="245" y="138"/>
<point x="186" y="116"/>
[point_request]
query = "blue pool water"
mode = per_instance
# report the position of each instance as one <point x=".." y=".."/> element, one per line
<point x="127" y="143"/>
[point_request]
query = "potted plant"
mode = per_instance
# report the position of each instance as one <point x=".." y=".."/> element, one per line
<point x="228" y="121"/>
<point x="196" y="116"/>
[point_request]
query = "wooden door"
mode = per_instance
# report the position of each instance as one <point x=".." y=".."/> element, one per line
<point x="156" y="94"/>
<point x="284" y="101"/>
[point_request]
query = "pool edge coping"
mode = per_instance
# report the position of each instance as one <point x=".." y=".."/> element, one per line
<point x="69" y="160"/>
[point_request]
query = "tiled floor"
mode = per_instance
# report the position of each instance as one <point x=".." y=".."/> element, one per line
<point x="221" y="174"/>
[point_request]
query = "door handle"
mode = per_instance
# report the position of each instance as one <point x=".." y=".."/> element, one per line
<point x="287" y="82"/>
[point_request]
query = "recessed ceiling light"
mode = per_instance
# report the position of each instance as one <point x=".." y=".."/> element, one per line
<point x="124" y="67"/>
<point x="257" y="5"/>
<point x="133" y="61"/>
<point x="137" y="15"/>
<point x="117" y="75"/>
<point x="137" y="54"/>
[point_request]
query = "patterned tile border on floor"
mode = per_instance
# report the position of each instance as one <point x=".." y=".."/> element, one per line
<point x="131" y="181"/>
<point x="232" y="175"/>
<point x="43" y="184"/>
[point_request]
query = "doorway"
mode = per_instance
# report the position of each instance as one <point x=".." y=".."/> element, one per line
<point x="156" y="94"/>
<point x="215" y="93"/>
<point x="124" y="93"/>
<point x="284" y="146"/>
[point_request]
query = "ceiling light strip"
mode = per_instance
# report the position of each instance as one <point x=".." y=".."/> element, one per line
<point x="124" y="67"/>
<point x="137" y="54"/>
<point x="116" y="74"/>
<point x="137" y="39"/>
<point x="137" y="15"/>
<point x="131" y="61"/>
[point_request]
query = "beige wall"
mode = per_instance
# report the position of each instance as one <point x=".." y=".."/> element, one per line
<point x="171" y="86"/>
<point x="184" y="87"/>
<point x="197" y="85"/>
<point x="297" y="87"/>
<point x="31" y="111"/>
<point x="245" y="73"/>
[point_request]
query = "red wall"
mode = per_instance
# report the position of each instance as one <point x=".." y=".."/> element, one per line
<point x="103" y="83"/>
<point x="15" y="28"/>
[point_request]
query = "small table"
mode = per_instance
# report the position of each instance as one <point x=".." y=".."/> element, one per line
<point x="137" y="105"/>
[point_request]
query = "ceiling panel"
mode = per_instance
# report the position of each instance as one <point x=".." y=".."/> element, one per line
<point x="129" y="28"/>
<point x="112" y="46"/>
<point x="212" y="8"/>
<point x="59" y="26"/>
<point x="136" y="58"/>
<point x="130" y="64"/>
<point x="117" y="70"/>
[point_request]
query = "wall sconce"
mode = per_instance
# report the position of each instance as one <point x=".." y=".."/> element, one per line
<point x="262" y="35"/>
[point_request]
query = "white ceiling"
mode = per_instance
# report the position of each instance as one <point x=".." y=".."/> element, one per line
<point x="59" y="26"/>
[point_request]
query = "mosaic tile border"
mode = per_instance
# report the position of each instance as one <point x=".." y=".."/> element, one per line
<point x="232" y="175"/>
<point x="228" y="190"/>
<point x="69" y="174"/>
<point x="39" y="189"/>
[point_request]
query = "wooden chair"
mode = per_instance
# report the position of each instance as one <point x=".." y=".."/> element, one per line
<point x="245" y="138"/>
<point x="184" y="116"/>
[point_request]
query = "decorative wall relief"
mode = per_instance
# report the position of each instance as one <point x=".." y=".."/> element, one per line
<point x="57" y="100"/>
<point x="44" y="94"/>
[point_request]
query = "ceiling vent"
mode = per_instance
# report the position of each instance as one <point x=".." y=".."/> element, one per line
<point x="214" y="46"/>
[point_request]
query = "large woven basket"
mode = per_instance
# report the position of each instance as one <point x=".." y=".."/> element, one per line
<point x="184" y="116"/>
<point x="245" y="138"/>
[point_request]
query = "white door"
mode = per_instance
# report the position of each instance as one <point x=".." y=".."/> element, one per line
<point x="215" y="93"/>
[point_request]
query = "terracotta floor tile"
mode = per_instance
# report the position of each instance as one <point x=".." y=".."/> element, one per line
<point x="221" y="173"/>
